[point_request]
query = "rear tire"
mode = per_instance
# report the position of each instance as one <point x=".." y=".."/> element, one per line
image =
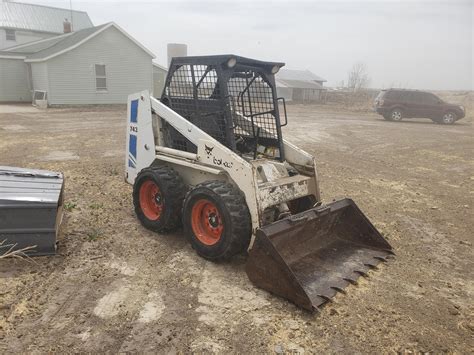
<point x="396" y="114"/>
<point x="158" y="194"/>
<point x="216" y="220"/>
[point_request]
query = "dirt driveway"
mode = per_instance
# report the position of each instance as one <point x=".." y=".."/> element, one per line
<point x="115" y="286"/>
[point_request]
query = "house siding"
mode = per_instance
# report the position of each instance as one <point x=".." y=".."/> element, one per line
<point x="72" y="74"/>
<point x="14" y="80"/>
<point x="22" y="36"/>
<point x="39" y="73"/>
<point x="159" y="78"/>
<point x="286" y="93"/>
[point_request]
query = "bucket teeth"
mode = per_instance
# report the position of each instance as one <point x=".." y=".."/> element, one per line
<point x="361" y="273"/>
<point x="326" y="298"/>
<point x="351" y="281"/>
<point x="338" y="289"/>
<point x="372" y="266"/>
<point x="380" y="258"/>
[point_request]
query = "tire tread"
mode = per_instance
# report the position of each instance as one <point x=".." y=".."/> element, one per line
<point x="236" y="205"/>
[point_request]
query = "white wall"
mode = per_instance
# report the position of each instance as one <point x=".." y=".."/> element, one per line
<point x="14" y="80"/>
<point x="159" y="78"/>
<point x="22" y="37"/>
<point x="72" y="74"/>
<point x="286" y="93"/>
<point x="39" y="73"/>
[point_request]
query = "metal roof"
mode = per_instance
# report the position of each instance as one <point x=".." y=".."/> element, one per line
<point x="40" y="18"/>
<point x="303" y="75"/>
<point x="299" y="84"/>
<point x="21" y="187"/>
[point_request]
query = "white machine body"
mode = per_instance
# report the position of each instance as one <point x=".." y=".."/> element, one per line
<point x="264" y="182"/>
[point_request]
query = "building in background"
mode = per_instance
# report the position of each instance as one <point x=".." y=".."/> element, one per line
<point x="300" y="86"/>
<point x="176" y="50"/>
<point x="159" y="77"/>
<point x="96" y="65"/>
<point x="22" y="23"/>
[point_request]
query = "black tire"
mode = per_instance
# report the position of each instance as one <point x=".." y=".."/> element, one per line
<point x="230" y="219"/>
<point x="301" y="204"/>
<point x="448" y="118"/>
<point x="396" y="114"/>
<point x="171" y="192"/>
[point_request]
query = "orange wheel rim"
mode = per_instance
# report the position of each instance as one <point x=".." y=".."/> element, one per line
<point x="206" y="222"/>
<point x="151" y="201"/>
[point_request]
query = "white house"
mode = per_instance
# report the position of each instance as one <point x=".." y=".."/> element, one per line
<point x="21" y="23"/>
<point x="96" y="65"/>
<point x="159" y="77"/>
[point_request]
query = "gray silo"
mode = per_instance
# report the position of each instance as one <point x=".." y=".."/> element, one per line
<point x="176" y="50"/>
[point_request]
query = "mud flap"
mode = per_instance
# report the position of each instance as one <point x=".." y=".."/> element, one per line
<point x="308" y="257"/>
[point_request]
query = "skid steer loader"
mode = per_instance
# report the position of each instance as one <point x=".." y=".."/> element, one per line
<point x="210" y="154"/>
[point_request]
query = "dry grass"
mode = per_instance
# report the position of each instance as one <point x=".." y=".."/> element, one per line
<point x="11" y="252"/>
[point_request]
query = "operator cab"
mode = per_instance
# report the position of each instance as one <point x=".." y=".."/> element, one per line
<point x="231" y="98"/>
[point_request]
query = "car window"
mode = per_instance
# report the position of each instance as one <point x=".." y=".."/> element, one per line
<point x="407" y="96"/>
<point x="433" y="99"/>
<point x="428" y="98"/>
<point x="414" y="96"/>
<point x="392" y="95"/>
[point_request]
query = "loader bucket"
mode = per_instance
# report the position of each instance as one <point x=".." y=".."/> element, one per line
<point x="308" y="257"/>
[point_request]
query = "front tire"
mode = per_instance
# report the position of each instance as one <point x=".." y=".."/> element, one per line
<point x="158" y="194"/>
<point x="448" y="118"/>
<point x="396" y="115"/>
<point x="216" y="220"/>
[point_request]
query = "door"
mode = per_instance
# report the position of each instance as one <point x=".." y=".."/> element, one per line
<point x="410" y="102"/>
<point x="431" y="105"/>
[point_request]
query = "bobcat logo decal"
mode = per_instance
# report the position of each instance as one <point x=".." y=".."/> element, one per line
<point x="208" y="150"/>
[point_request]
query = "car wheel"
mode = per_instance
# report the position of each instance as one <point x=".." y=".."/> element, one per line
<point x="449" y="118"/>
<point x="396" y="114"/>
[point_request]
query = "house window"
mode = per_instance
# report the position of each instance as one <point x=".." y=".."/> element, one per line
<point x="10" y="35"/>
<point x="100" y="78"/>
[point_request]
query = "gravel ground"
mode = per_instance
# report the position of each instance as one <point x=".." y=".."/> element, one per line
<point x="114" y="286"/>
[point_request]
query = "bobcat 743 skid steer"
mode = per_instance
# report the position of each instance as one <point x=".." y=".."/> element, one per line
<point x="210" y="155"/>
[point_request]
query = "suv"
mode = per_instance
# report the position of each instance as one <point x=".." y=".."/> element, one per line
<point x="395" y="104"/>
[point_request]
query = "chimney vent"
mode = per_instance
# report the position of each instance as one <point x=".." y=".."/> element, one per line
<point x="67" y="26"/>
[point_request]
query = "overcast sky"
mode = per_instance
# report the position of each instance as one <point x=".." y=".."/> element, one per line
<point x="412" y="44"/>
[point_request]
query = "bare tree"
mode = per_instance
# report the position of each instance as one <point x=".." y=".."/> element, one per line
<point x="358" y="77"/>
